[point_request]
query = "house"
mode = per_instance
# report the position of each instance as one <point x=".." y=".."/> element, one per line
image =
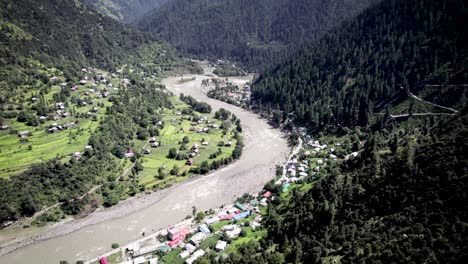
<point x="240" y="206"/>
<point x="103" y="260"/>
<point x="195" y="147"/>
<point x="255" y="225"/>
<point x="147" y="151"/>
<point x="153" y="261"/>
<point x="242" y="215"/>
<point x="173" y="233"/>
<point x="189" y="162"/>
<point x="233" y="211"/>
<point x="204" y="229"/>
<point x="88" y="147"/>
<point x="254" y="202"/>
<point x="212" y="220"/>
<point x="83" y="82"/>
<point x="234" y="232"/>
<point x="23" y="133"/>
<point x="53" y="130"/>
<point x="197" y="238"/>
<point x="267" y="194"/>
<point x="228" y="143"/>
<point x="33" y="99"/>
<point x="74" y="88"/>
<point x="184" y="254"/>
<point x="190" y="248"/>
<point x="195" y="256"/>
<point x="332" y="156"/>
<point x="154" y="144"/>
<point x="60" y="106"/>
<point x="77" y="155"/>
<point x="129" y="153"/>
<point x="319" y="162"/>
<point x="205" y="143"/>
<point x="226" y="217"/>
<point x="228" y="227"/>
<point x="317" y="169"/>
<point x="164" y="249"/>
<point x="221" y="245"/>
<point x="4" y="127"/>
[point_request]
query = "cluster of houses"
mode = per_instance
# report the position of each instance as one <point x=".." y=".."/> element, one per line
<point x="225" y="89"/>
<point x="201" y="129"/>
<point x="188" y="239"/>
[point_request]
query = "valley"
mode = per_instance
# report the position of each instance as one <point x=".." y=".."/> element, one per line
<point x="90" y="236"/>
<point x="233" y="131"/>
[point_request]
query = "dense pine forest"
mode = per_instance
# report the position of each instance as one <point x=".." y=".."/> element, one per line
<point x="257" y="33"/>
<point x="124" y="10"/>
<point x="372" y="64"/>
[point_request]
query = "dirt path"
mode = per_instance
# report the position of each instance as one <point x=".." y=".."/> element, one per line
<point x="433" y="104"/>
<point x="91" y="236"/>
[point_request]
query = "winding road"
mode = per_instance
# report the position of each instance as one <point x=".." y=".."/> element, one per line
<point x="91" y="236"/>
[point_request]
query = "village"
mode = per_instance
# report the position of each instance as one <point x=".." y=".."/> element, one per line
<point x="56" y="115"/>
<point x="219" y="231"/>
<point x="226" y="91"/>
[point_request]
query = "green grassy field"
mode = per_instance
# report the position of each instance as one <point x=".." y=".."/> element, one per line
<point x="16" y="156"/>
<point x="170" y="137"/>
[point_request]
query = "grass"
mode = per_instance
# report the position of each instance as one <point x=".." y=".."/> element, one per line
<point x="250" y="234"/>
<point x="16" y="156"/>
<point x="210" y="242"/>
<point x="219" y="225"/>
<point x="172" y="257"/>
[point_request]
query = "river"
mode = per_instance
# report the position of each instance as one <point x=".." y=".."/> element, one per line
<point x="89" y="237"/>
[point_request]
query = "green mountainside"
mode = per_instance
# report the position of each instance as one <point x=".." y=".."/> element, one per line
<point x="70" y="78"/>
<point x="257" y="33"/>
<point x="392" y="83"/>
<point x="373" y="65"/>
<point x="124" y="10"/>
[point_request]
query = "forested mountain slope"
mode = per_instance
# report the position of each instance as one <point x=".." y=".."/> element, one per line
<point x="403" y="206"/>
<point x="64" y="70"/>
<point x="55" y="31"/>
<point x="124" y="10"/>
<point x="258" y="33"/>
<point x="403" y="198"/>
<point x="68" y="36"/>
<point x="374" y="62"/>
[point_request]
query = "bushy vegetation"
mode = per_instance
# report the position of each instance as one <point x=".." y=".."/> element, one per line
<point x="198" y="106"/>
